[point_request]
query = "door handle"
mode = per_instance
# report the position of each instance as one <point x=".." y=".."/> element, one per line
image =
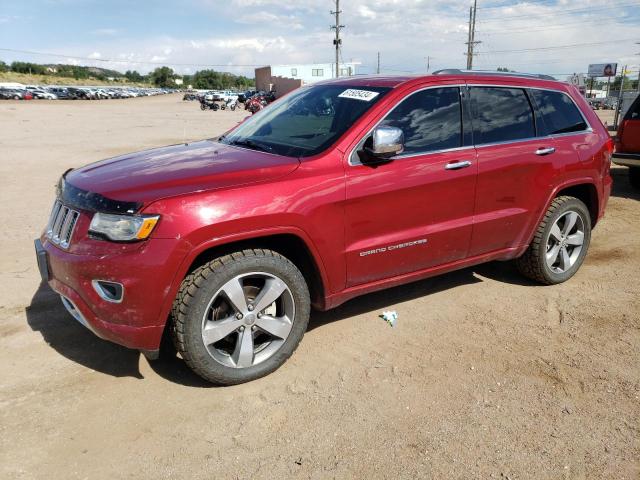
<point x="545" y="151"/>
<point x="457" y="165"/>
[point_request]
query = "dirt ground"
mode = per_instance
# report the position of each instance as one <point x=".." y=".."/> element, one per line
<point x="486" y="375"/>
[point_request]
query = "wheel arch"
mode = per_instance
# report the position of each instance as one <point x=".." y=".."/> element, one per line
<point x="587" y="193"/>
<point x="583" y="189"/>
<point x="289" y="245"/>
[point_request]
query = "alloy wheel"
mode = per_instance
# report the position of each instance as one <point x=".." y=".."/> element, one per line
<point x="565" y="242"/>
<point x="248" y="319"/>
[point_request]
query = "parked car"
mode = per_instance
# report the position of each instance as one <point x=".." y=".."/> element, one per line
<point x="336" y="190"/>
<point x="628" y="143"/>
<point x="596" y="103"/>
<point x="41" y="93"/>
<point x="60" y="92"/>
<point x="244" y="96"/>
<point x="15" y="94"/>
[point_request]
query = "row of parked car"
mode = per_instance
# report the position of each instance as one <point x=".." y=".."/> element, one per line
<point x="225" y="95"/>
<point x="608" y="103"/>
<point x="77" y="93"/>
<point x="222" y="99"/>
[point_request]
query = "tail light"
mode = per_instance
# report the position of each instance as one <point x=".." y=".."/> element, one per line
<point x="619" y="134"/>
<point x="609" y="147"/>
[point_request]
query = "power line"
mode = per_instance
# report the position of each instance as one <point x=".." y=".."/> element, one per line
<point x="526" y="29"/>
<point x="557" y="47"/>
<point x="555" y="14"/>
<point x="107" y="60"/>
<point x="542" y="3"/>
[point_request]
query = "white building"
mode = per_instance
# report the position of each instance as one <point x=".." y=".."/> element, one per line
<point x="282" y="79"/>
<point x="315" y="72"/>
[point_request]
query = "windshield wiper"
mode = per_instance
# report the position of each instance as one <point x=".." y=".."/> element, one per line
<point x="251" y="144"/>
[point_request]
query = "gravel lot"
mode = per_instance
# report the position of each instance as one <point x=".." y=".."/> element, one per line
<point x="485" y="375"/>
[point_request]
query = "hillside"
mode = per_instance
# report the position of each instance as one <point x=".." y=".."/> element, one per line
<point x="28" y="79"/>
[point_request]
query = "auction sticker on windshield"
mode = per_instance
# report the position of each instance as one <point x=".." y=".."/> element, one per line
<point x="364" y="95"/>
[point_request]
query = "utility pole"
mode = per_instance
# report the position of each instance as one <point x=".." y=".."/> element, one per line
<point x="638" y="71"/>
<point x="428" y="62"/>
<point x="471" y="37"/>
<point x="378" y="69"/>
<point x="337" y="41"/>
<point x="619" y="106"/>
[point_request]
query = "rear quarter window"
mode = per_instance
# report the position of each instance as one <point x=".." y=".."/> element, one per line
<point x="559" y="113"/>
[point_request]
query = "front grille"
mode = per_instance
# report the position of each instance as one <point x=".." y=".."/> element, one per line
<point x="61" y="224"/>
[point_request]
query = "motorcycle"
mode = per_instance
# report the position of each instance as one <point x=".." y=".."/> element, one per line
<point x="208" y="104"/>
<point x="256" y="103"/>
<point x="230" y="103"/>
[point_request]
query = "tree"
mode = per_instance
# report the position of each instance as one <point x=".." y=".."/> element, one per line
<point x="3" y="66"/>
<point x="133" y="76"/>
<point x="212" y="80"/>
<point x="163" y="77"/>
<point x="27" y="67"/>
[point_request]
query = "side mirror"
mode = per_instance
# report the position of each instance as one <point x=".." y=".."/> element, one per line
<point x="386" y="142"/>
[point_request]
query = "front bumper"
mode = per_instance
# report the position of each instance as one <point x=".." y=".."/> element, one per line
<point x="626" y="159"/>
<point x="146" y="274"/>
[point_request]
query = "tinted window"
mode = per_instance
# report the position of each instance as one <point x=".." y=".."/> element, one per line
<point x="430" y="120"/>
<point x="501" y="114"/>
<point x="559" y="113"/>
<point x="634" y="111"/>
<point x="307" y="121"/>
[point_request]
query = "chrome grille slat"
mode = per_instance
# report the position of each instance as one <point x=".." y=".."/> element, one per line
<point x="61" y="224"/>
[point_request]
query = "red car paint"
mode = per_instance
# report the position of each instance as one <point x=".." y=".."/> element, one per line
<point x="628" y="138"/>
<point x="210" y="195"/>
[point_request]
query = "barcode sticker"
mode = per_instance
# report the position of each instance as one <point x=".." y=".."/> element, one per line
<point x="364" y="95"/>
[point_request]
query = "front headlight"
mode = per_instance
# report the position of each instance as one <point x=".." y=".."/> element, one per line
<point x="123" y="228"/>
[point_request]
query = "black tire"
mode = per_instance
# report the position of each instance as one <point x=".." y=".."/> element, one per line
<point x="233" y="107"/>
<point x="200" y="287"/>
<point x="533" y="264"/>
<point x="203" y="106"/>
<point x="634" y="177"/>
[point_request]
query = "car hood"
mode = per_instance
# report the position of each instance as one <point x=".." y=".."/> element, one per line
<point x="149" y="175"/>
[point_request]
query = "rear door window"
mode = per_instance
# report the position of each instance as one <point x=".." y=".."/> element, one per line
<point x="559" y="113"/>
<point x="501" y="114"/>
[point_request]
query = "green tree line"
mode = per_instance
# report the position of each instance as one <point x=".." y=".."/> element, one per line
<point x="163" y="77"/>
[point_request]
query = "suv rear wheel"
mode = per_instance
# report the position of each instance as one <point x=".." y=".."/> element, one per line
<point x="559" y="244"/>
<point x="240" y="316"/>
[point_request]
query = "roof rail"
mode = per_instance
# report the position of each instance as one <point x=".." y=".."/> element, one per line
<point x="457" y="71"/>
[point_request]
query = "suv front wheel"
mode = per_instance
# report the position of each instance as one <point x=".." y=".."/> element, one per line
<point x="559" y="244"/>
<point x="240" y="316"/>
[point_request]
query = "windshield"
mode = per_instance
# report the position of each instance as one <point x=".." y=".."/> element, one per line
<point x="307" y="121"/>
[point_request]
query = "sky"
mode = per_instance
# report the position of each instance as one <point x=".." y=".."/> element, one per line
<point x="557" y="37"/>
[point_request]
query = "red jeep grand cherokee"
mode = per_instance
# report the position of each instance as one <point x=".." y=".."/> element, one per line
<point x="628" y="143"/>
<point x="336" y="190"/>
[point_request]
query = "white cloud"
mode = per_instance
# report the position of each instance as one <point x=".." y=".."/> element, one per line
<point x="366" y="12"/>
<point x="405" y="32"/>
<point x="95" y="55"/>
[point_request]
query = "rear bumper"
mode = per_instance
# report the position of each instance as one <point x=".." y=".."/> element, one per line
<point x="145" y="273"/>
<point x="626" y="159"/>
